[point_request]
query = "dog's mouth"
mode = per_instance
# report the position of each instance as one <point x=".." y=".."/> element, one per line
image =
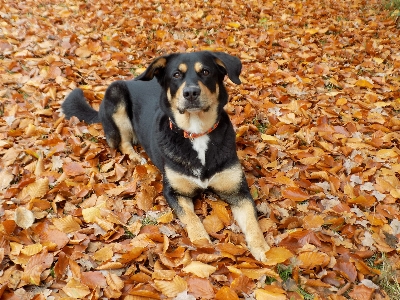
<point x="193" y="109"/>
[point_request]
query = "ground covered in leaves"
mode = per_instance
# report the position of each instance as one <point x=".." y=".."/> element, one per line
<point x="317" y="122"/>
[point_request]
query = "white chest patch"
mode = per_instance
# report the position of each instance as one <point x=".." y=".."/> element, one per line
<point x="200" y="144"/>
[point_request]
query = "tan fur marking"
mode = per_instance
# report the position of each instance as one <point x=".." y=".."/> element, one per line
<point x="198" y="66"/>
<point x="227" y="181"/>
<point x="161" y="62"/>
<point x="219" y="62"/>
<point x="183" y="184"/>
<point x="183" y="68"/>
<point x="177" y="97"/>
<point x="195" y="229"/>
<point x="207" y="118"/>
<point x="244" y="216"/>
<point x="126" y="132"/>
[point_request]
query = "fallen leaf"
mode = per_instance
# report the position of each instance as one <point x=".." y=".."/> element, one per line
<point x="199" y="269"/>
<point x="75" y="289"/>
<point x="24" y="218"/>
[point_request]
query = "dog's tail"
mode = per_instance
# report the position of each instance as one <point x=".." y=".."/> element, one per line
<point x="76" y="105"/>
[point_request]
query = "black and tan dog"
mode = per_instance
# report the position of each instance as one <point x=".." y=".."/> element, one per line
<point x="174" y="109"/>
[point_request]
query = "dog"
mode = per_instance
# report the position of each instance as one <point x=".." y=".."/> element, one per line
<point x="175" y="110"/>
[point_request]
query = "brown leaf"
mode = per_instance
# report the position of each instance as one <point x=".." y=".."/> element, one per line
<point x="35" y="266"/>
<point x="145" y="197"/>
<point x="73" y="169"/>
<point x="200" y="288"/>
<point x="361" y="292"/>
<point x="347" y="269"/>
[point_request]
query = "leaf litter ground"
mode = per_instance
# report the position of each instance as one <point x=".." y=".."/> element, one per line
<point x="317" y="122"/>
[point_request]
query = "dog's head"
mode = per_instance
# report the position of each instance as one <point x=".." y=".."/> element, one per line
<point x="193" y="83"/>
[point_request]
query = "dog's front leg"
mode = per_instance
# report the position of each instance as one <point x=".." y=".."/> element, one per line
<point x="231" y="186"/>
<point x="245" y="215"/>
<point x="183" y="208"/>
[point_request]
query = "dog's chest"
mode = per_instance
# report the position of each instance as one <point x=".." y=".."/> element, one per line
<point x="200" y="145"/>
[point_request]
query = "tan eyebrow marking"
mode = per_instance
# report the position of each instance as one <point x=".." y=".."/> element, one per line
<point x="198" y="66"/>
<point x="182" y="67"/>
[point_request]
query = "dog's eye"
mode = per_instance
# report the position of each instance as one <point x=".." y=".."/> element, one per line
<point x="205" y="72"/>
<point x="177" y="74"/>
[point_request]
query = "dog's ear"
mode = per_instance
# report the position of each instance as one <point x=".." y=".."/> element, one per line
<point x="156" y="69"/>
<point x="231" y="64"/>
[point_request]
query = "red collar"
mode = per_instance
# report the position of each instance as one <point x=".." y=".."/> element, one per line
<point x="191" y="135"/>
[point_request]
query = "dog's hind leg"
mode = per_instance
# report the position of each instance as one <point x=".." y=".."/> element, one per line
<point x="114" y="116"/>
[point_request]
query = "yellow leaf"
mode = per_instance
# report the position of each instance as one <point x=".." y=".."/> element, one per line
<point x="257" y="273"/>
<point x="36" y="189"/>
<point x="114" y="282"/>
<point x="233" y="25"/>
<point x="277" y="255"/>
<point x="312" y="30"/>
<point x="262" y="294"/>
<point x="269" y="138"/>
<point x="104" y="254"/>
<point x="67" y="224"/>
<point x="199" y="269"/>
<point x="90" y="214"/>
<point x="166" y="218"/>
<point x="75" y="289"/>
<point x="32" y="249"/>
<point x="171" y="288"/>
<point x="163" y="274"/>
<point x="387" y="153"/>
<point x="364" y="83"/>
<point x="378" y="60"/>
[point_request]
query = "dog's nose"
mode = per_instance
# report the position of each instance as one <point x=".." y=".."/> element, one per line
<point x="191" y="93"/>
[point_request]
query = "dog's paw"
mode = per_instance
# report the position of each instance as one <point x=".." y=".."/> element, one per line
<point x="259" y="250"/>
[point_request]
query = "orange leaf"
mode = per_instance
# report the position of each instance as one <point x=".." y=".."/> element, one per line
<point x="309" y="260"/>
<point x="83" y="52"/>
<point x="295" y="194"/>
<point x="277" y="255"/>
<point x="313" y="221"/>
<point x="364" y="83"/>
<point x="226" y="293"/>
<point x="212" y="223"/>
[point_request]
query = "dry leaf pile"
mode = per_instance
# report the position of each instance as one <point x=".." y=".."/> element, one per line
<point x="317" y="122"/>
